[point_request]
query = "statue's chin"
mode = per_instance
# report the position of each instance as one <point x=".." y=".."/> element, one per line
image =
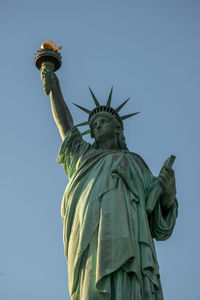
<point x="101" y="138"/>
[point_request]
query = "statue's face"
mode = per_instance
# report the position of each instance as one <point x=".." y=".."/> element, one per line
<point x="103" y="129"/>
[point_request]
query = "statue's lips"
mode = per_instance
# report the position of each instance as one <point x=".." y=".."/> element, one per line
<point x="102" y="135"/>
<point x="101" y="131"/>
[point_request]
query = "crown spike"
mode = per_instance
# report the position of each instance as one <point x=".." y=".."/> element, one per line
<point x="83" y="108"/>
<point x="128" y="116"/>
<point x="85" y="132"/>
<point x="82" y="124"/>
<point x="110" y="97"/>
<point x="94" y="98"/>
<point x="120" y="107"/>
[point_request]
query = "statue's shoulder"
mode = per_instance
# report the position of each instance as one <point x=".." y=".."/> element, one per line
<point x="140" y="161"/>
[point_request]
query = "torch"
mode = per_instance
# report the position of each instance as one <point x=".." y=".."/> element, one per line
<point x="48" y="59"/>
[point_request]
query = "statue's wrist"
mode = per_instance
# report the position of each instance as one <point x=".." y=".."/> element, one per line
<point x="55" y="87"/>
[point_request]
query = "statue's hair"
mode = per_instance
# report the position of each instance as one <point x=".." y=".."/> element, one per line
<point x="121" y="140"/>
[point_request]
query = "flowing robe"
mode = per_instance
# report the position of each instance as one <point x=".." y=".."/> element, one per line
<point x="107" y="231"/>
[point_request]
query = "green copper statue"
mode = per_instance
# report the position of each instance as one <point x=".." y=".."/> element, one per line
<point x="112" y="207"/>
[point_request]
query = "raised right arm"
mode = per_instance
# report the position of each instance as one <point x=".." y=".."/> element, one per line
<point x="60" y="111"/>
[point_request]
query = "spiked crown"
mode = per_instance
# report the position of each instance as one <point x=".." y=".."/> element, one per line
<point x="104" y="109"/>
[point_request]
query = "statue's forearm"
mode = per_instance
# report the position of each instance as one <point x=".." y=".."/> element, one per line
<point x="60" y="111"/>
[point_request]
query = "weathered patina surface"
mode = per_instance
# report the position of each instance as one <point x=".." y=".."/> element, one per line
<point x="112" y="207"/>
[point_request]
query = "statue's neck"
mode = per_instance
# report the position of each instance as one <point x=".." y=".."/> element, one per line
<point x="111" y="144"/>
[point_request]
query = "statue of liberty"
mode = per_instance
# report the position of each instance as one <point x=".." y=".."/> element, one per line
<point x="112" y="208"/>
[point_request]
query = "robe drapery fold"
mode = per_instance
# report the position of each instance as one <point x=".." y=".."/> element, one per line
<point x="107" y="233"/>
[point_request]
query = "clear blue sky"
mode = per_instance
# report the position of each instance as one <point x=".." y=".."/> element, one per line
<point x="146" y="49"/>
